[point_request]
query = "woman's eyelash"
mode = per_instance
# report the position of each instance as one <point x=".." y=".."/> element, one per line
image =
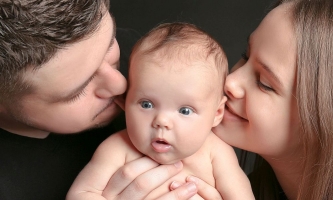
<point x="260" y="84"/>
<point x="264" y="87"/>
<point x="244" y="56"/>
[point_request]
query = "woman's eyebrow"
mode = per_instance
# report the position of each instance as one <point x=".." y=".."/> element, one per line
<point x="270" y="72"/>
<point x="265" y="66"/>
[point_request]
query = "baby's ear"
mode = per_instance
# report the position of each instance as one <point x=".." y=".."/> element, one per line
<point x="220" y="111"/>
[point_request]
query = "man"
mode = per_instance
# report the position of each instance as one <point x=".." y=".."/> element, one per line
<point x="59" y="74"/>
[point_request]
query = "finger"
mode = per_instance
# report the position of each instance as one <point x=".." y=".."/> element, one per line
<point x="180" y="191"/>
<point x="176" y="184"/>
<point x="205" y="190"/>
<point x="126" y="174"/>
<point x="138" y="178"/>
<point x="150" y="180"/>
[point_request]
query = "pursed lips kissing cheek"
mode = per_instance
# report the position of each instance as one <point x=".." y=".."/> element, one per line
<point x="229" y="113"/>
<point x="110" y="103"/>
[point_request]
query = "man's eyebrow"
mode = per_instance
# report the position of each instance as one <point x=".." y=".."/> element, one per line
<point x="113" y="36"/>
<point x="82" y="86"/>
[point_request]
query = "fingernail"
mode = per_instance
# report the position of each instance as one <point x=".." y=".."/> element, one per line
<point x="174" y="185"/>
<point x="191" y="179"/>
<point x="191" y="187"/>
<point x="178" y="164"/>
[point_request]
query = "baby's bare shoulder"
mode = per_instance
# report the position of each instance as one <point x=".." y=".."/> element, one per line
<point x="119" y="145"/>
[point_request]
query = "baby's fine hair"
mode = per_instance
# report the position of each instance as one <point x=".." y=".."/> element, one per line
<point x="184" y="40"/>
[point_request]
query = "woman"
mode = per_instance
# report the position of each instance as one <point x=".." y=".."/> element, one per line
<point x="280" y="102"/>
<point x="280" y="105"/>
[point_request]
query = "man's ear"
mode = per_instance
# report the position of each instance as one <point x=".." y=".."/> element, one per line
<point x="220" y="111"/>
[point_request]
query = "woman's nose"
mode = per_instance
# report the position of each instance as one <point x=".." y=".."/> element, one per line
<point x="111" y="82"/>
<point x="234" y="87"/>
<point x="163" y="121"/>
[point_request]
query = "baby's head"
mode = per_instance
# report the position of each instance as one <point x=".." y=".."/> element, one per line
<point x="183" y="42"/>
<point x="175" y="94"/>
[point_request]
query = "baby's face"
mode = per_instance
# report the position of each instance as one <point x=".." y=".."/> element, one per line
<point x="170" y="107"/>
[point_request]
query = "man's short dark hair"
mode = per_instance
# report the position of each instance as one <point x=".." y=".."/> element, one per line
<point x="32" y="31"/>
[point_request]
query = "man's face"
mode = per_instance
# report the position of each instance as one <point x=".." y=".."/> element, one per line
<point x="74" y="91"/>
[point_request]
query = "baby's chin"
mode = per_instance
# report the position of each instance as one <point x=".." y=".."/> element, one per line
<point x="165" y="161"/>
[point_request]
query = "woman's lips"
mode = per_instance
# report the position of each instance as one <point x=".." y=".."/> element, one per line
<point x="160" y="145"/>
<point x="230" y="114"/>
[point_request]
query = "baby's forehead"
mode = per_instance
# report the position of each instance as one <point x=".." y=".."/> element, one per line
<point x="180" y="57"/>
<point x="180" y="68"/>
<point x="179" y="61"/>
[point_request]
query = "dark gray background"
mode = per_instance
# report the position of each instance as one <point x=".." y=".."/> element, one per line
<point x="229" y="22"/>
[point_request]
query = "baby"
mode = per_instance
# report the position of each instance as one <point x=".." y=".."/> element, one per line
<point x="174" y="98"/>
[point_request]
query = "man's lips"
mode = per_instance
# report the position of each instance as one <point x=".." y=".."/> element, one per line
<point x="160" y="145"/>
<point x="110" y="103"/>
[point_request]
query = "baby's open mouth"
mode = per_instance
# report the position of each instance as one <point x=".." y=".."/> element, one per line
<point x="161" y="142"/>
<point x="160" y="146"/>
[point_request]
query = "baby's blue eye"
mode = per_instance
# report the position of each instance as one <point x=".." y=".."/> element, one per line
<point x="185" y="111"/>
<point x="146" y="104"/>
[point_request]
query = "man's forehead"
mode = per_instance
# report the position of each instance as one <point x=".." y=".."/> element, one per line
<point x="72" y="66"/>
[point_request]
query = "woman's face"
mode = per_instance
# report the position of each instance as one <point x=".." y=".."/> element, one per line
<point x="261" y="113"/>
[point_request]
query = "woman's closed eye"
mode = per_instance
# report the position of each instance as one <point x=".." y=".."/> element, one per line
<point x="264" y="87"/>
<point x="260" y="84"/>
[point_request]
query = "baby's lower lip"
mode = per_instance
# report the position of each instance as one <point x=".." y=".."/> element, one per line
<point x="160" y="147"/>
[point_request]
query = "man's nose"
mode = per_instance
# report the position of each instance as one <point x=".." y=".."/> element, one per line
<point x="111" y="83"/>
